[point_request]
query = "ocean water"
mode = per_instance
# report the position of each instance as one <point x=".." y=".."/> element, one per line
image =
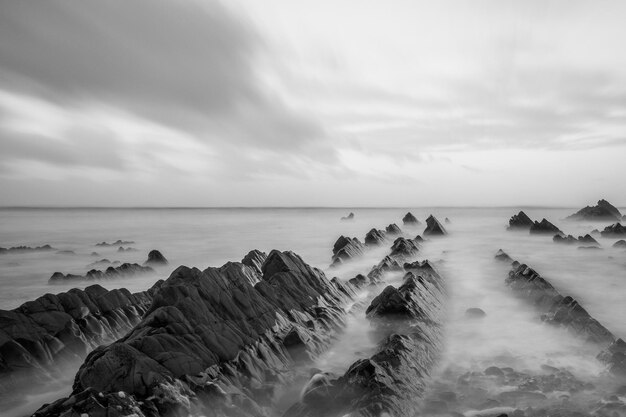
<point x="510" y="333"/>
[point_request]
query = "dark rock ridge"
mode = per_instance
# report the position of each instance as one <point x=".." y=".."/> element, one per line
<point x="544" y="227"/>
<point x="570" y="240"/>
<point x="503" y="256"/>
<point x="520" y="221"/>
<point x="124" y="270"/>
<point x="348" y="217"/>
<point x="620" y="244"/>
<point x="393" y="229"/>
<point x="25" y="249"/>
<point x="409" y="219"/>
<point x="614" y="230"/>
<point x="387" y="264"/>
<point x="155" y="258"/>
<point x="603" y="211"/>
<point x="404" y="248"/>
<point x="212" y="343"/>
<point x="37" y="338"/>
<point x="346" y="248"/>
<point x="255" y="260"/>
<point x="128" y="249"/>
<point x="433" y="227"/>
<point x="116" y="243"/>
<point x="390" y="382"/>
<point x="375" y="237"/>
<point x="103" y="262"/>
<point x="565" y="311"/>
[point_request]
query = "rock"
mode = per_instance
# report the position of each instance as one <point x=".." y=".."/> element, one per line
<point x="433" y="227"/>
<point x="24" y="249"/>
<point x="124" y="270"/>
<point x="503" y="256"/>
<point x="404" y="248"/>
<point x="155" y="258"/>
<point x="620" y="244"/>
<point x="409" y="219"/>
<point x="116" y="243"/>
<point x="494" y="371"/>
<point x="348" y="217"/>
<point x="346" y="248"/>
<point x="544" y="227"/>
<point x="128" y="249"/>
<point x="520" y="221"/>
<point x="568" y="240"/>
<point x="447" y="221"/>
<point x="475" y="313"/>
<point x="393" y="229"/>
<point x="587" y="239"/>
<point x="386" y="265"/>
<point x="375" y="237"/>
<point x="614" y="230"/>
<point x="213" y="344"/>
<point x="100" y="263"/>
<point x="255" y="260"/>
<point x="603" y="211"/>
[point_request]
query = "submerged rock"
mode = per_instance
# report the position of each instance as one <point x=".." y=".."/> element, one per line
<point x="155" y="258"/>
<point x="409" y="219"/>
<point x="603" y="211"/>
<point x="25" y="249"/>
<point x="568" y="240"/>
<point x="447" y="221"/>
<point x="124" y="270"/>
<point x="544" y="227"/>
<point x="116" y="243"/>
<point x="346" y="248"/>
<point x="520" y="221"/>
<point x="375" y="237"/>
<point x="433" y="227"/>
<point x="503" y="256"/>
<point x="348" y="217"/>
<point x="475" y="313"/>
<point x="393" y="229"/>
<point x="614" y="230"/>
<point x="404" y="248"/>
<point x="620" y="244"/>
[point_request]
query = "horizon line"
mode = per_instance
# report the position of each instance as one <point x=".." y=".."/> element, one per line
<point x="53" y="207"/>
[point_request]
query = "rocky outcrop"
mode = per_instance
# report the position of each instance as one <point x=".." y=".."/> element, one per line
<point x="349" y="217"/>
<point x="446" y="220"/>
<point x="520" y="221"/>
<point x="410" y="220"/>
<point x="404" y="248"/>
<point x="375" y="237"/>
<point x="155" y="258"/>
<point x="212" y="343"/>
<point x="620" y="244"/>
<point x="392" y="380"/>
<point x="40" y="336"/>
<point x="433" y="227"/>
<point x="565" y="311"/>
<point x="614" y="230"/>
<point x="503" y="256"/>
<point x="393" y="230"/>
<point x="544" y="227"/>
<point x="26" y="249"/>
<point x="571" y="240"/>
<point x="387" y="264"/>
<point x="346" y="248"/>
<point x="128" y="249"/>
<point x="116" y="243"/>
<point x="255" y="260"/>
<point x="603" y="211"/>
<point x="124" y="270"/>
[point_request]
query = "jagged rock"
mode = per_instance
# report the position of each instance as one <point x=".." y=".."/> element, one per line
<point x="116" y="243"/>
<point x="520" y="221"/>
<point x="503" y="256"/>
<point x="475" y="313"/>
<point x="255" y="260"/>
<point x="346" y="248"/>
<point x="215" y="343"/>
<point x="433" y="227"/>
<point x="393" y="229"/>
<point x="124" y="270"/>
<point x="24" y="249"/>
<point x="348" y="217"/>
<point x="386" y="265"/>
<point x="614" y="230"/>
<point x="587" y="239"/>
<point x="66" y="252"/>
<point x="446" y="220"/>
<point x="620" y="244"/>
<point x="544" y="227"/>
<point x="100" y="263"/>
<point x="397" y="302"/>
<point x="375" y="237"/>
<point x="155" y="258"/>
<point x="602" y="211"/>
<point x="404" y="248"/>
<point x="568" y="240"/>
<point x="409" y="219"/>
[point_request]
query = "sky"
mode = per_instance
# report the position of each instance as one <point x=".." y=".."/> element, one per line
<point x="312" y="103"/>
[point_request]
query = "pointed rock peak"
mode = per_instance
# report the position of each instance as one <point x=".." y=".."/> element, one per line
<point x="433" y="227"/>
<point x="278" y="261"/>
<point x="410" y="219"/>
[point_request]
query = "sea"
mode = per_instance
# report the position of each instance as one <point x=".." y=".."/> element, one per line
<point x="511" y="331"/>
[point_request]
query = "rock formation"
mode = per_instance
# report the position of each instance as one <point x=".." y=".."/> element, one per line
<point x="603" y="211"/>
<point x="116" y="243"/>
<point x="520" y="221"/>
<point x="375" y="237"/>
<point x="124" y="270"/>
<point x="503" y="256"/>
<point x="614" y="230"/>
<point x="155" y="258"/>
<point x="393" y="229"/>
<point x="25" y="249"/>
<point x="433" y="227"/>
<point x="570" y="240"/>
<point x="346" y="248"/>
<point x="544" y="227"/>
<point x="410" y="220"/>
<point x="620" y="244"/>
<point x="348" y="217"/>
<point x="255" y="260"/>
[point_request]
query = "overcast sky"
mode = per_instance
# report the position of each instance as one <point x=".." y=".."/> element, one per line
<point x="316" y="103"/>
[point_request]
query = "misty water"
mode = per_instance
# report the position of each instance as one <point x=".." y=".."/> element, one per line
<point x="511" y="334"/>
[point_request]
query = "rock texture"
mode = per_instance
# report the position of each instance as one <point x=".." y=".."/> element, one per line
<point x="25" y="249"/>
<point x="212" y="343"/>
<point x="571" y="240"/>
<point x="393" y="229"/>
<point x="503" y="256"/>
<point x="620" y="244"/>
<point x="389" y="382"/>
<point x="544" y="227"/>
<point x="603" y="211"/>
<point x="375" y="237"/>
<point x="124" y="270"/>
<point x="346" y="248"/>
<point x="614" y="230"/>
<point x="37" y="338"/>
<point x="433" y="227"/>
<point x="410" y="220"/>
<point x="155" y="258"/>
<point x="255" y="260"/>
<point x="520" y="221"/>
